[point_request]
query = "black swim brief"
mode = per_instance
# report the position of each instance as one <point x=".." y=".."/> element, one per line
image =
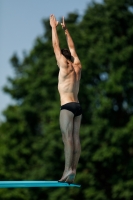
<point x="74" y="107"/>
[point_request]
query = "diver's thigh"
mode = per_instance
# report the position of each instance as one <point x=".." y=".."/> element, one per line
<point x="76" y="124"/>
<point x="66" y="120"/>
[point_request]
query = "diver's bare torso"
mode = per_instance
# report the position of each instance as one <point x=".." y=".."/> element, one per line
<point x="68" y="81"/>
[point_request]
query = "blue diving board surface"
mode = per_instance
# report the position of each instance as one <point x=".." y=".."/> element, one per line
<point x="27" y="184"/>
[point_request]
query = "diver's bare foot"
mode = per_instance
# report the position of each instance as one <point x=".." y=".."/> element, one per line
<point x="70" y="178"/>
<point x="65" y="176"/>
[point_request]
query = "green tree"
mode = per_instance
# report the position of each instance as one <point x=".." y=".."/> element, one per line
<point x="30" y="139"/>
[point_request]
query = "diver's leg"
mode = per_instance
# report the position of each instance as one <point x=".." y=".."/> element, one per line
<point x="76" y="149"/>
<point x="66" y="126"/>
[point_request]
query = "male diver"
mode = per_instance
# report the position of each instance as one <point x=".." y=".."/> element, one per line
<point x="68" y="87"/>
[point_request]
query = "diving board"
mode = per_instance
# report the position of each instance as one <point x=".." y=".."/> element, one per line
<point x="27" y="184"/>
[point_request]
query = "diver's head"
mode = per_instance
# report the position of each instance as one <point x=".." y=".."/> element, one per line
<point x="66" y="53"/>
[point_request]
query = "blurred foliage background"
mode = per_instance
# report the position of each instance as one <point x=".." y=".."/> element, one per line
<point x="31" y="146"/>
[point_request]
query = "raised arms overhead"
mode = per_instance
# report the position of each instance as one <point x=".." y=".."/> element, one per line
<point x="55" y="42"/>
<point x="70" y="42"/>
